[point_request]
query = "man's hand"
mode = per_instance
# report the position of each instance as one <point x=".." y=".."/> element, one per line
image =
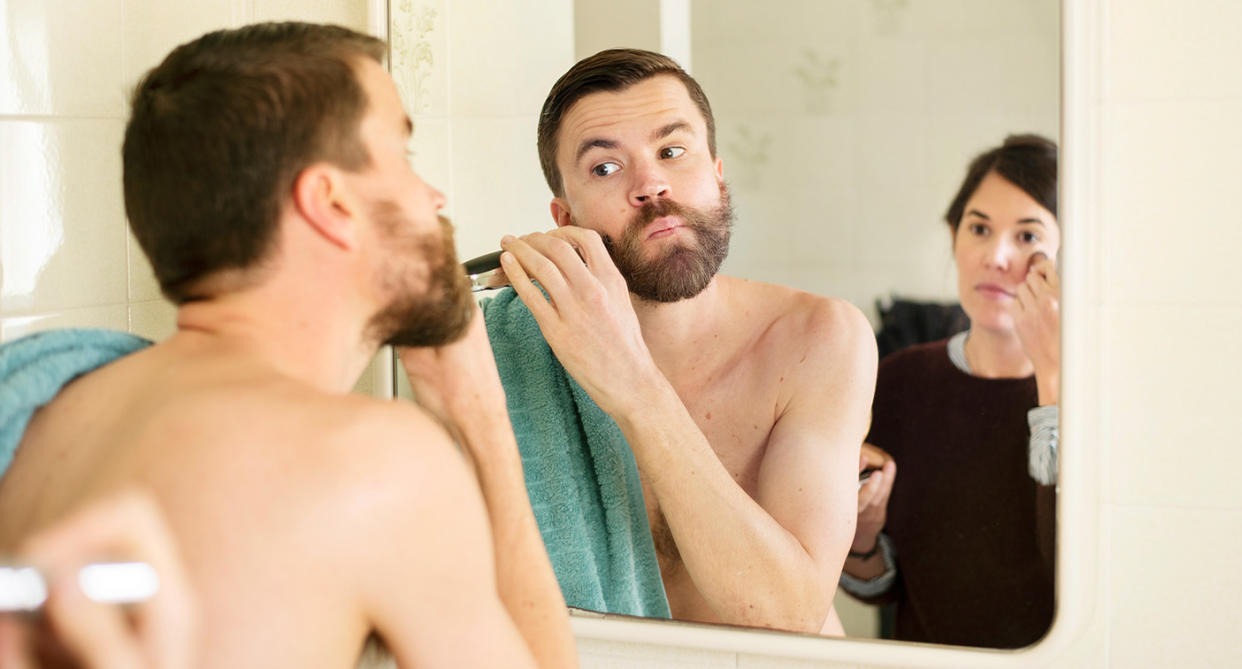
<point x="587" y="318"/>
<point x="873" y="496"/>
<point x="457" y="382"/>
<point x="75" y="631"/>
<point x="1037" y="318"/>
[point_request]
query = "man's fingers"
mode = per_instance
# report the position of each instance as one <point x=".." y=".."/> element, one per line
<point x="15" y="652"/>
<point x="534" y="299"/>
<point x="96" y="634"/>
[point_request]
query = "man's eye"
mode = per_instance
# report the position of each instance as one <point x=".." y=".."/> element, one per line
<point x="672" y="152"/>
<point x="604" y="169"/>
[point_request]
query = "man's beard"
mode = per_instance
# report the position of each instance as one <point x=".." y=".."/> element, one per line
<point x="440" y="313"/>
<point x="680" y="271"/>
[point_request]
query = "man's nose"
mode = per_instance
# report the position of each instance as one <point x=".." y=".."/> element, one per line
<point x="437" y="198"/>
<point x="650" y="182"/>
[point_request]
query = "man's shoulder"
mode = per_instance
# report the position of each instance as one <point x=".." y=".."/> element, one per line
<point x="796" y="318"/>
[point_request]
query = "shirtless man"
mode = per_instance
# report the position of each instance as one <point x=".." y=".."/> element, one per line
<point x="744" y="403"/>
<point x="267" y="180"/>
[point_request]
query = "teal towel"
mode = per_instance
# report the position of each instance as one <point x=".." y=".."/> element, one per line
<point x="580" y="473"/>
<point x="34" y="368"/>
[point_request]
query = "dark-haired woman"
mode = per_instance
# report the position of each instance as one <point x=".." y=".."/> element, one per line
<point x="967" y="542"/>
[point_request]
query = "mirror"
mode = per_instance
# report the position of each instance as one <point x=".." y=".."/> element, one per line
<point x="845" y="127"/>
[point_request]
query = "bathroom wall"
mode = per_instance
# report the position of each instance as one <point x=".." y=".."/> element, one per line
<point x="845" y="128"/>
<point x="1164" y="309"/>
<point x="66" y="68"/>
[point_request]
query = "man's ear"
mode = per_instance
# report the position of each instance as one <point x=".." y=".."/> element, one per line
<point x="719" y="168"/>
<point x="322" y="199"/>
<point x="560" y="212"/>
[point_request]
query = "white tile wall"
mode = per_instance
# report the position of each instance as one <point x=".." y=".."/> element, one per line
<point x="869" y="113"/>
<point x="66" y="257"/>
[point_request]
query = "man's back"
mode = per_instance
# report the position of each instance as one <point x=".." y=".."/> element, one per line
<point x="292" y="511"/>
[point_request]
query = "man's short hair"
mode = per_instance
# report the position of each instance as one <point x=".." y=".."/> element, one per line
<point x="610" y="70"/>
<point x="220" y="130"/>
<point x="1026" y="161"/>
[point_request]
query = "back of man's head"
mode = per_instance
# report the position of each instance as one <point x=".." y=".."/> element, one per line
<point x="611" y="70"/>
<point x="219" y="131"/>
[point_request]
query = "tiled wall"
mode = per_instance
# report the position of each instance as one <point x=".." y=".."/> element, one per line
<point x="846" y="126"/>
<point x="66" y="257"/>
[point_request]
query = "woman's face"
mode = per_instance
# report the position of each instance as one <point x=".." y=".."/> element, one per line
<point x="1001" y="229"/>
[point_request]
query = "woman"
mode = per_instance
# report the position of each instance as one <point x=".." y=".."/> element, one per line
<point x="966" y="549"/>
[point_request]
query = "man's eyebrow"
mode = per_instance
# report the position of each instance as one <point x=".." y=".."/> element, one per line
<point x="659" y="133"/>
<point x="594" y="143"/>
<point x="671" y="128"/>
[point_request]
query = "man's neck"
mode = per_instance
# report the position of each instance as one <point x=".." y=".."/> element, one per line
<point x="302" y="333"/>
<point x="683" y="335"/>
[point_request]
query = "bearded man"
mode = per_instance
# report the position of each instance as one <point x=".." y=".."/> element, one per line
<point x="267" y="180"/>
<point x="744" y="404"/>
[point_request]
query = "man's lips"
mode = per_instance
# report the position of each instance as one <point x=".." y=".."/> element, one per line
<point x="993" y="290"/>
<point x="662" y="227"/>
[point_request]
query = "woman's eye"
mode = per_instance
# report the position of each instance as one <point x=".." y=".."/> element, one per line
<point x="604" y="169"/>
<point x="672" y="152"/>
<point x="1028" y="237"/>
<point x="978" y="229"/>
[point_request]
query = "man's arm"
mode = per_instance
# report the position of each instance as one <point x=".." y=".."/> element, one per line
<point x="459" y="383"/>
<point x="771" y="561"/>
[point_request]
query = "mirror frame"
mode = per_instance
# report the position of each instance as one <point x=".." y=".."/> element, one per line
<point x="1080" y="488"/>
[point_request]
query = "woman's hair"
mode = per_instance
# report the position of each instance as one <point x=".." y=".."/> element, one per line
<point x="1026" y="161"/>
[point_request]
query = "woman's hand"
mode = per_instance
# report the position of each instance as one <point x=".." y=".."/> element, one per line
<point x="873" y="496"/>
<point x="76" y="631"/>
<point x="1037" y="319"/>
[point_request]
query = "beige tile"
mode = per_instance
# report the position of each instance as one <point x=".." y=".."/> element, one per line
<point x="348" y="13"/>
<point x="372" y="380"/>
<point x="1171" y="403"/>
<point x="1168" y="174"/>
<point x="505" y="56"/>
<point x="108" y="318"/>
<point x="42" y="76"/>
<point x="62" y="236"/>
<point x="489" y="205"/>
<point x="1174" y="586"/>
<point x="1172" y="49"/>
<point x="153" y="27"/>
<point x="418" y="34"/>
<point x="745" y="661"/>
<point x="154" y="319"/>
<point x="432" y="158"/>
<point x="596" y="654"/>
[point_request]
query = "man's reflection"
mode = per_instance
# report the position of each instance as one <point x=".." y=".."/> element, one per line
<point x="971" y="423"/>
<point x="744" y="403"/>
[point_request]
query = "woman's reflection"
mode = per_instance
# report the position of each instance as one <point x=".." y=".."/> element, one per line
<point x="971" y="422"/>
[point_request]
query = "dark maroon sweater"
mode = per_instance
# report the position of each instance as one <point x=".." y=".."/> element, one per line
<point x="972" y="530"/>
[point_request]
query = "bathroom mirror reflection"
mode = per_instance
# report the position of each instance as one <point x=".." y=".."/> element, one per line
<point x="845" y="128"/>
